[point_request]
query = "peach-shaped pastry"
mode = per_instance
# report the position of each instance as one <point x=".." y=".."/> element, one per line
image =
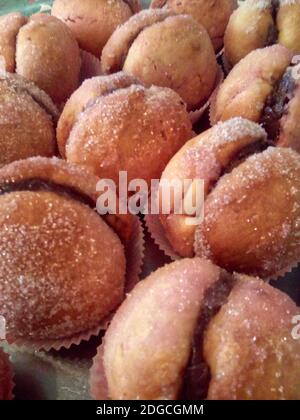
<point x="41" y="49"/>
<point x="249" y="188"/>
<point x="263" y="87"/>
<point x="93" y="21"/>
<point x="62" y="268"/>
<point x="214" y="16"/>
<point x="28" y="120"/>
<point x="6" y="384"/>
<point x="257" y="24"/>
<point x="113" y="123"/>
<point x="164" y="49"/>
<point x="193" y="331"/>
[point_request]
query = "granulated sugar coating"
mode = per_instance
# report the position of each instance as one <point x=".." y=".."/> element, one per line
<point x="207" y="157"/>
<point x="135" y="129"/>
<point x="27" y="120"/>
<point x="192" y="329"/>
<point x="62" y="268"/>
<point x="6" y="384"/>
<point x="164" y="49"/>
<point x="261" y="198"/>
<point x="93" y="21"/>
<point x="249" y="347"/>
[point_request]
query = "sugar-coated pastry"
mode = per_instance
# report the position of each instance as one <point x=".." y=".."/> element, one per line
<point x="213" y="15"/>
<point x="251" y="206"/>
<point x="93" y="21"/>
<point x="6" y="384"/>
<point x="10" y="25"/>
<point x="164" y="49"/>
<point x="113" y="123"/>
<point x="264" y="87"/>
<point x="62" y="268"/>
<point x="259" y="23"/>
<point x="28" y="120"/>
<point x="193" y="331"/>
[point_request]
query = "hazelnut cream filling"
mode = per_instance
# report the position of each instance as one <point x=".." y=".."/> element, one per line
<point x="197" y="373"/>
<point x="37" y="185"/>
<point x="277" y="105"/>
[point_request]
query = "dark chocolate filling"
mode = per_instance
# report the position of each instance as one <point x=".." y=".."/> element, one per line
<point x="36" y="184"/>
<point x="276" y="105"/>
<point x="197" y="373"/>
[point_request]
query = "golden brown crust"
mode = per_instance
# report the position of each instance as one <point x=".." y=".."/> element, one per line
<point x="85" y="95"/>
<point x="147" y="346"/>
<point x="10" y="25"/>
<point x="135" y="129"/>
<point x="246" y="343"/>
<point x="66" y="267"/>
<point x="94" y="21"/>
<point x="5" y="377"/>
<point x="245" y="90"/>
<point x="117" y="47"/>
<point x="26" y="128"/>
<point x="48" y="54"/>
<point x="249" y="346"/>
<point x="214" y="16"/>
<point x="261" y="199"/>
<point x="256" y="24"/>
<point x="205" y="157"/>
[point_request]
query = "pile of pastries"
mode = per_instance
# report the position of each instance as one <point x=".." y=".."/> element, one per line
<point x="181" y="91"/>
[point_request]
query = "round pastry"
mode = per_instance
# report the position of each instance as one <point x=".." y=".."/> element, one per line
<point x="5" y="377"/>
<point x="214" y="16"/>
<point x="257" y="24"/>
<point x="27" y="122"/>
<point x="43" y="50"/>
<point x="167" y="50"/>
<point x="94" y="21"/>
<point x="263" y="87"/>
<point x="9" y="28"/>
<point x="193" y="331"/>
<point x="113" y="123"/>
<point x="62" y="267"/>
<point x="249" y="188"/>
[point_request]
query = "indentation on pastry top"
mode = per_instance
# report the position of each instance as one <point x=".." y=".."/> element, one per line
<point x="197" y="373"/>
<point x="20" y="84"/>
<point x="277" y="104"/>
<point x="124" y="36"/>
<point x="36" y="185"/>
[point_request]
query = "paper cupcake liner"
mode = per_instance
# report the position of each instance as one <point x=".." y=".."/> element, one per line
<point x="134" y="254"/>
<point x="157" y="233"/>
<point x="197" y="114"/>
<point x="97" y="380"/>
<point x="9" y="376"/>
<point x="90" y="66"/>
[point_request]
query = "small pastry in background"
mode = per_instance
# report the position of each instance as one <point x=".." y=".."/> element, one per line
<point x="6" y="384"/>
<point x="93" y="21"/>
<point x="257" y="24"/>
<point x="251" y="200"/>
<point x="193" y="331"/>
<point x="28" y="120"/>
<point x="62" y="267"/>
<point x="167" y="50"/>
<point x="214" y="16"/>
<point x="263" y="87"/>
<point x="43" y="50"/>
<point x="113" y="123"/>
